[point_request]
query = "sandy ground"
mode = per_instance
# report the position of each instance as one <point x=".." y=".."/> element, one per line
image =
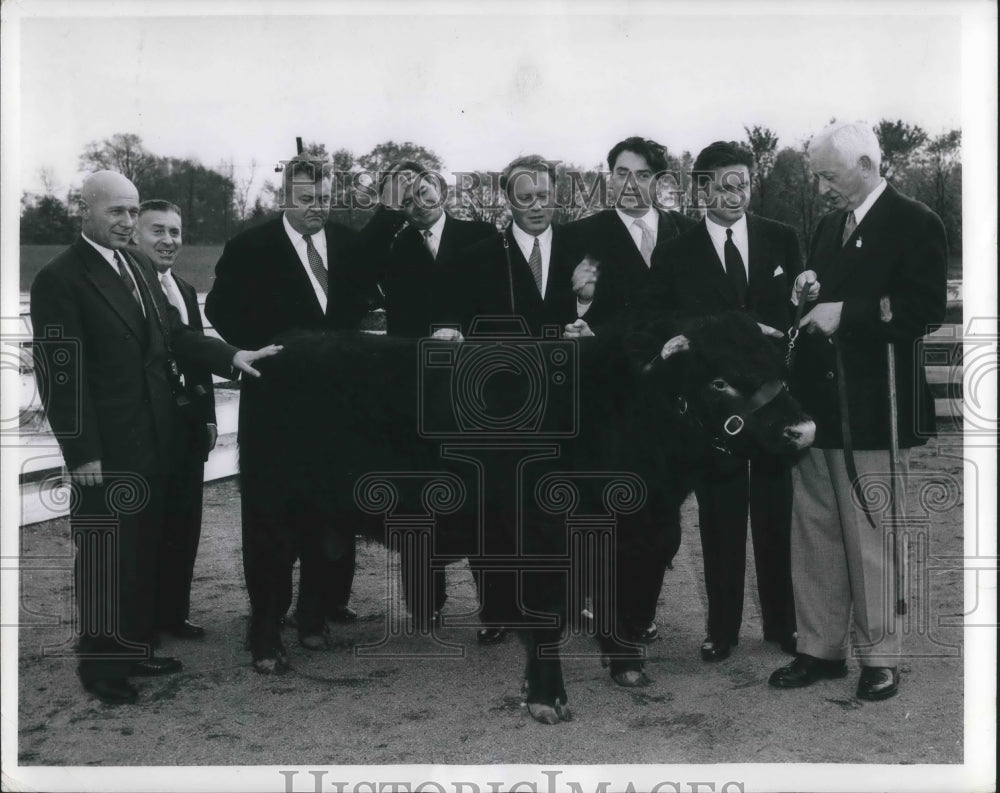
<point x="461" y="704"/>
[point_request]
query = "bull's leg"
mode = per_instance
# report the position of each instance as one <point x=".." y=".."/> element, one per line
<point x="544" y="689"/>
<point x="625" y="657"/>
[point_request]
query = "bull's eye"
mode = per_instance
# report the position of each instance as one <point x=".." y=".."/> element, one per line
<point x="719" y="384"/>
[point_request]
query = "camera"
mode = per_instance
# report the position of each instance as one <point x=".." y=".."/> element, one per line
<point x="499" y="383"/>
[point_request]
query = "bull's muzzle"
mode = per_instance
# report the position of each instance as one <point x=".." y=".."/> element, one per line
<point x="801" y="436"/>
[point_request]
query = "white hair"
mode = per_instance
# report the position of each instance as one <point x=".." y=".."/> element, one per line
<point x="852" y="139"/>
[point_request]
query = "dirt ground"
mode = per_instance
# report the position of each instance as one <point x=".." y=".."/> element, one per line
<point x="341" y="707"/>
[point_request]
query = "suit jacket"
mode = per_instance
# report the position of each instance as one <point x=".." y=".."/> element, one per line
<point x="623" y="274"/>
<point x="261" y="288"/>
<point x="494" y="289"/>
<point x="197" y="379"/>
<point x="687" y="275"/>
<point x="899" y="250"/>
<point x="420" y="290"/>
<point x="102" y="366"/>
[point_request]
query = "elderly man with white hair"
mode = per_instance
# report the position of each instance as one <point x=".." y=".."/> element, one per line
<point x="875" y="279"/>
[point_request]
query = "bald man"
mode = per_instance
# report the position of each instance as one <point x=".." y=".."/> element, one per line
<point x="107" y="345"/>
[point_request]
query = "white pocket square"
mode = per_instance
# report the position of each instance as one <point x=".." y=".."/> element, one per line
<point x="777" y="271"/>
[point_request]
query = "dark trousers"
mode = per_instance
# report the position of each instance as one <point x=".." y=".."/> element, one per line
<point x="274" y="536"/>
<point x="640" y="575"/>
<point x="181" y="527"/>
<point x="116" y="529"/>
<point x="729" y="491"/>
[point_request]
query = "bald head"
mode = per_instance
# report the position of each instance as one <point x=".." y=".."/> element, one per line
<point x="110" y="206"/>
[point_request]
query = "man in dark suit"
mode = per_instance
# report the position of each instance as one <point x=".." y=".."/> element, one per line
<point x="622" y="238"/>
<point x="413" y="248"/>
<point x="878" y="267"/>
<point x="294" y="272"/>
<point x="105" y="338"/>
<point x="158" y="236"/>
<point x="525" y="272"/>
<point x="732" y="260"/>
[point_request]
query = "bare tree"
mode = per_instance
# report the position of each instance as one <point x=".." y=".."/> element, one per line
<point x="121" y="152"/>
<point x="242" y="188"/>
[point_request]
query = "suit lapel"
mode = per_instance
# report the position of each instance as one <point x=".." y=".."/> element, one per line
<point x="622" y="240"/>
<point x="110" y="288"/>
<point x="190" y="298"/>
<point x="448" y="242"/>
<point x="760" y="257"/>
<point x="846" y="258"/>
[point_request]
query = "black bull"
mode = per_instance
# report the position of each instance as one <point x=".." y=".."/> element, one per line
<point x="552" y="461"/>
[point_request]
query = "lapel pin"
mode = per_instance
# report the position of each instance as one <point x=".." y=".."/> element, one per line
<point x="858" y="243"/>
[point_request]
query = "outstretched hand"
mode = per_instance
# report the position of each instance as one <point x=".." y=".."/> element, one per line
<point x="244" y="358"/>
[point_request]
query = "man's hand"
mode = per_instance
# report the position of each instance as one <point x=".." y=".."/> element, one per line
<point x="244" y="358"/>
<point x="87" y="474"/>
<point x="585" y="279"/>
<point x="767" y="330"/>
<point x="213" y="435"/>
<point x="823" y="319"/>
<point x="805" y="280"/>
<point x="577" y="330"/>
<point x="448" y="334"/>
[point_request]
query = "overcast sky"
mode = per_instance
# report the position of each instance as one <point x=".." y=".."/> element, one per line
<point x="478" y="89"/>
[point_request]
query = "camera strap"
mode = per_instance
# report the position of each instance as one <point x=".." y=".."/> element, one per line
<point x="510" y="269"/>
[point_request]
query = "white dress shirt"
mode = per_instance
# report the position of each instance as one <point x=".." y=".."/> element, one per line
<point x="432" y="236"/>
<point x="871" y="198"/>
<point x="718" y="235"/>
<point x="173" y="293"/>
<point x="651" y="219"/>
<point x="109" y="257"/>
<point x="526" y="242"/>
<point x="319" y="242"/>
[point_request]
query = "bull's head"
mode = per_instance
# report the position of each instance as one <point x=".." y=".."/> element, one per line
<point x="724" y="377"/>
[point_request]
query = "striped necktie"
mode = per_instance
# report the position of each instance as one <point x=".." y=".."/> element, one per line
<point x="316" y="264"/>
<point x="646" y="243"/>
<point x="123" y="273"/>
<point x="535" y="263"/>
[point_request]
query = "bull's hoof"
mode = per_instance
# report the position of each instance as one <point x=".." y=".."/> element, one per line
<point x="549" y="714"/>
<point x="631" y="678"/>
<point x="271" y="666"/>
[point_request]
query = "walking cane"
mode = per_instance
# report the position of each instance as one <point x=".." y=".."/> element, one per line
<point x="899" y="536"/>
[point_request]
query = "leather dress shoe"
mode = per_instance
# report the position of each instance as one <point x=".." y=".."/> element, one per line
<point x="343" y="614"/>
<point x="648" y="634"/>
<point x="186" y="630"/>
<point x="491" y="635"/>
<point x="878" y="682"/>
<point x="806" y="670"/>
<point x="715" y="651"/>
<point x="313" y="641"/>
<point x="114" y="691"/>
<point x="155" y="666"/>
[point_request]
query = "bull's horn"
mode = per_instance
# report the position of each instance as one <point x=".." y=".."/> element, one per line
<point x="676" y="344"/>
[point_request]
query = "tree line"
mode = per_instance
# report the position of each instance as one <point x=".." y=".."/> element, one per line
<point x="217" y="204"/>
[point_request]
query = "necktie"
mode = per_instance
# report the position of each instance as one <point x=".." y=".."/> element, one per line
<point x="316" y="264"/>
<point x="429" y="242"/>
<point x="174" y="295"/>
<point x="735" y="271"/>
<point x="535" y="263"/>
<point x="123" y="273"/>
<point x="849" y="227"/>
<point x="646" y="244"/>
